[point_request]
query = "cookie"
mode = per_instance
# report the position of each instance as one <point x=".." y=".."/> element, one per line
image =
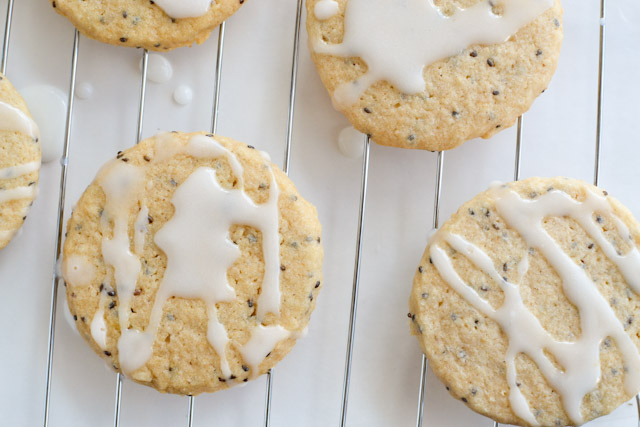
<point x="160" y="25"/>
<point x="192" y="263"/>
<point x="526" y="303"/>
<point x="19" y="161"/>
<point x="430" y="75"/>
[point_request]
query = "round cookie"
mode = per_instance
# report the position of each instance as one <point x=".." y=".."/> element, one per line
<point x="526" y="300"/>
<point x="203" y="252"/>
<point x="142" y="23"/>
<point x="19" y="161"/>
<point x="467" y="91"/>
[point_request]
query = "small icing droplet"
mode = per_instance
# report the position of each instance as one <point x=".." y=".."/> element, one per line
<point x="351" y="142"/>
<point x="48" y="106"/>
<point x="183" y="95"/>
<point x="84" y="90"/>
<point x="159" y="69"/>
<point x="77" y="270"/>
<point x="184" y="8"/>
<point x="325" y="9"/>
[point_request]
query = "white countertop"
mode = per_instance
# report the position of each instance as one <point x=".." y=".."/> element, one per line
<point x="558" y="139"/>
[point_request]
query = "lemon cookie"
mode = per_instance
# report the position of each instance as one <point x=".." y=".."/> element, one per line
<point x="19" y="161"/>
<point x="526" y="303"/>
<point x="192" y="263"/>
<point x="155" y="25"/>
<point x="432" y="74"/>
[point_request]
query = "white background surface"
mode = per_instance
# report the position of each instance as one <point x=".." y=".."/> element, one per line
<point x="559" y="139"/>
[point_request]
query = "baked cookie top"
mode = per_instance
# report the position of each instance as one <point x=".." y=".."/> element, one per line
<point x="19" y="161"/>
<point x="192" y="263"/>
<point x="159" y="25"/>
<point x="526" y="303"/>
<point x="428" y="74"/>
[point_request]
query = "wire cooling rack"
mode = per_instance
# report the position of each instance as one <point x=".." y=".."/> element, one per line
<point x="190" y="404"/>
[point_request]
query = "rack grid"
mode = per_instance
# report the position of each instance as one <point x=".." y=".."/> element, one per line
<point x="422" y="391"/>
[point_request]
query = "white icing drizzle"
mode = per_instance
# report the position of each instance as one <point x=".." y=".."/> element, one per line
<point x="140" y="229"/>
<point x="14" y="119"/>
<point x="523" y="266"/>
<point x="398" y="38"/>
<point x="197" y="264"/>
<point x="325" y="9"/>
<point x="78" y="271"/>
<point x="99" y="326"/>
<point x="17" y="193"/>
<point x="262" y="342"/>
<point x="122" y="184"/>
<point x="19" y="170"/>
<point x="184" y="8"/>
<point x="580" y="360"/>
<point x="6" y="235"/>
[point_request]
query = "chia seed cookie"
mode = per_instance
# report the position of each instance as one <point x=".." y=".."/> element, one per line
<point x="472" y="91"/>
<point x="142" y="23"/>
<point x="526" y="303"/>
<point x="19" y="161"/>
<point x="203" y="252"/>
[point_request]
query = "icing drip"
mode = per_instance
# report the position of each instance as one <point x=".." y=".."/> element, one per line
<point x="262" y="342"/>
<point x="580" y="359"/>
<point x="19" y="170"/>
<point x="122" y="184"/>
<point x="325" y="9"/>
<point x="78" y="271"/>
<point x="6" y="234"/>
<point x="198" y="249"/>
<point x="14" y="119"/>
<point x="184" y="8"/>
<point x="142" y="221"/>
<point x="398" y="38"/>
<point x="25" y="192"/>
<point x="99" y="327"/>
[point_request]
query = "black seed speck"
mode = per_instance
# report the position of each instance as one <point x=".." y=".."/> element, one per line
<point x="505" y="267"/>
<point x="420" y="269"/>
<point x="123" y="39"/>
<point x="590" y="246"/>
<point x="464" y="399"/>
<point x="317" y="284"/>
<point x="367" y="110"/>
<point x="599" y="219"/>
<point x="283" y="268"/>
<point x="245" y="368"/>
<point x="455" y="114"/>
<point x="496" y="92"/>
<point x="107" y="353"/>
<point x="473" y="54"/>
<point x="112" y="304"/>
<point x="250" y="303"/>
<point x="538" y="52"/>
<point x="111" y="293"/>
<point x="75" y="317"/>
<point x="430" y="260"/>
<point x="490" y="63"/>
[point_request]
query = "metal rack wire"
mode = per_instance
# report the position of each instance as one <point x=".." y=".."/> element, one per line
<point x="289" y="134"/>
